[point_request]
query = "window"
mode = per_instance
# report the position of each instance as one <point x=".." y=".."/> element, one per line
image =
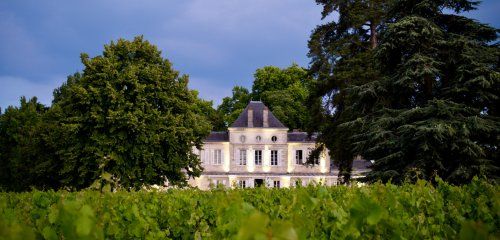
<point x="274" y="157"/>
<point x="220" y="182"/>
<point x="298" y="183"/>
<point x="217" y="157"/>
<point x="258" y="157"/>
<point x="258" y="138"/>
<point x="259" y="182"/>
<point x="242" y="183"/>
<point x="243" y="157"/>
<point x="298" y="157"/>
<point x="274" y="138"/>
<point x="217" y="182"/>
<point x="242" y="138"/>
<point x="276" y="184"/>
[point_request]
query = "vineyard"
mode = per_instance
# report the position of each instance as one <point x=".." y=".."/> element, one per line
<point x="378" y="211"/>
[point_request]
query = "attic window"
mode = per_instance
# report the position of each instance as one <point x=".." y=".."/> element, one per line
<point x="274" y="138"/>
<point x="242" y="138"/>
<point x="258" y="138"/>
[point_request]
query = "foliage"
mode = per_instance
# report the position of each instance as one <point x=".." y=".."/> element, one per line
<point x="205" y="108"/>
<point x="27" y="157"/>
<point x="231" y="107"/>
<point x="131" y="115"/>
<point x="341" y="53"/>
<point x="377" y="211"/>
<point x="284" y="91"/>
<point x="436" y="107"/>
<point x="422" y="101"/>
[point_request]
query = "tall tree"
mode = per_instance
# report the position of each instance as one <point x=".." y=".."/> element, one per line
<point x="435" y="113"/>
<point x="231" y="107"/>
<point x="205" y="108"/>
<point x="341" y="53"/>
<point x="131" y="115"/>
<point x="422" y="101"/>
<point x="26" y="156"/>
<point x="283" y="90"/>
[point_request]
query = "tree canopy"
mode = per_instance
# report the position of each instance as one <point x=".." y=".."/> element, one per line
<point x="127" y="117"/>
<point x="26" y="148"/>
<point x="341" y="53"/>
<point x="420" y="102"/>
<point x="130" y="115"/>
<point x="284" y="91"/>
<point x="231" y="107"/>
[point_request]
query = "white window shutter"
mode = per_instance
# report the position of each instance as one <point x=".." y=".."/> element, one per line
<point x="236" y="156"/>
<point x="281" y="159"/>
<point x="207" y="154"/>
<point x="221" y="157"/>
<point x="212" y="153"/>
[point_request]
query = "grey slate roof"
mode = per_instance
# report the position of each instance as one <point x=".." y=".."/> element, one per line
<point x="301" y="137"/>
<point x="257" y="107"/>
<point x="217" y="137"/>
<point x="359" y="165"/>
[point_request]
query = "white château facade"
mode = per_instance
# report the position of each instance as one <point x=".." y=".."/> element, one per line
<point x="258" y="150"/>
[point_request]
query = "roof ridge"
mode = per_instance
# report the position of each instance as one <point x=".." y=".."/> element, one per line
<point x="258" y="118"/>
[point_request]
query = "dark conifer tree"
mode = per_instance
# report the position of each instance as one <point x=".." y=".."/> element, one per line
<point x="422" y="103"/>
<point x="341" y="53"/>
<point x="436" y="108"/>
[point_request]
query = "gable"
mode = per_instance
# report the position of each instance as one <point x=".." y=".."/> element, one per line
<point x="258" y="109"/>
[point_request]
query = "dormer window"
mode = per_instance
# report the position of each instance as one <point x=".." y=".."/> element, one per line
<point x="274" y="138"/>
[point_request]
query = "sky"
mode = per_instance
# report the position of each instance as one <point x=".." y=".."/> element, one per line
<point x="218" y="43"/>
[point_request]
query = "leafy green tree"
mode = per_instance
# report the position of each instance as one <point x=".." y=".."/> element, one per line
<point x="231" y="107"/>
<point x="288" y="105"/>
<point x="26" y="156"/>
<point x="131" y="115"/>
<point x="284" y="91"/>
<point x="272" y="78"/>
<point x="206" y="108"/>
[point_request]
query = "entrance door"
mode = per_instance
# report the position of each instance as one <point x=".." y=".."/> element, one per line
<point x="258" y="182"/>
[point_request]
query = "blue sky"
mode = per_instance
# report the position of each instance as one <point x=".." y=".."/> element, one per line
<point x="218" y="43"/>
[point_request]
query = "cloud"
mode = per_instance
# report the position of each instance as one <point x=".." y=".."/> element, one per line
<point x="194" y="51"/>
<point x="258" y="19"/>
<point x="220" y="43"/>
<point x="210" y="89"/>
<point x="19" y="50"/>
<point x="14" y="87"/>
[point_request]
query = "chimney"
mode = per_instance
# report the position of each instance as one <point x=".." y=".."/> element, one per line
<point x="250" y="117"/>
<point x="265" y="116"/>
